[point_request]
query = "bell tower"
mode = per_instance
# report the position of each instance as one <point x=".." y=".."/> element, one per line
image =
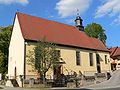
<point x="78" y="22"/>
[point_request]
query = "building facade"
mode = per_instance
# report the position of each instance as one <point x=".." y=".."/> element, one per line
<point x="78" y="52"/>
<point x="115" y="58"/>
<point x="78" y="60"/>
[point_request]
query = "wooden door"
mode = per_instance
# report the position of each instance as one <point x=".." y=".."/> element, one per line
<point x="57" y="70"/>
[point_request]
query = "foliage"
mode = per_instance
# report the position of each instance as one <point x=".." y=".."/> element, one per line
<point x="45" y="57"/>
<point x="96" y="31"/>
<point x="8" y="28"/>
<point x="5" y="35"/>
<point x="2" y="63"/>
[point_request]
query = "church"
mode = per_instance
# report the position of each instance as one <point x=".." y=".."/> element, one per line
<point x="79" y="52"/>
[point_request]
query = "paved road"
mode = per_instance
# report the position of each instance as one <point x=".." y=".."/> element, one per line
<point x="9" y="88"/>
<point x="110" y="89"/>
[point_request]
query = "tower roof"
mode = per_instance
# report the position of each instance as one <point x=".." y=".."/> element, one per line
<point x="78" y="17"/>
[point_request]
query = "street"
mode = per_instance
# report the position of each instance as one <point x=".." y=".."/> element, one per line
<point x="10" y="88"/>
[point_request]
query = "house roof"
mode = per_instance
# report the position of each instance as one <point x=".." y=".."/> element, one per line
<point x="35" y="28"/>
<point x="115" y="51"/>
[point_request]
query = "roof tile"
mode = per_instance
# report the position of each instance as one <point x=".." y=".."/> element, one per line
<point x="115" y="51"/>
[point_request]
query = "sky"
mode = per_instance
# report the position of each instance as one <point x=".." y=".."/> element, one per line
<point x="103" y="12"/>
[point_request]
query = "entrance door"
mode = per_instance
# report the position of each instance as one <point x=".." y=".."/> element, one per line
<point x="57" y="70"/>
<point x="98" y="63"/>
<point x="58" y="77"/>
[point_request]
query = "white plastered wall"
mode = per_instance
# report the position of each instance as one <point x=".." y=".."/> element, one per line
<point x="16" y="51"/>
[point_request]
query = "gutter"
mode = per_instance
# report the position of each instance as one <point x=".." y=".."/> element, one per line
<point x="71" y="46"/>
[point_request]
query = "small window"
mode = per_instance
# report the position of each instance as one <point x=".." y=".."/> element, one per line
<point x="77" y="58"/>
<point x="105" y="59"/>
<point x="91" y="59"/>
<point x="57" y="52"/>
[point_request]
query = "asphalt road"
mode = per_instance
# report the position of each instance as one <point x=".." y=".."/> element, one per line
<point x="9" y="88"/>
<point x="110" y="89"/>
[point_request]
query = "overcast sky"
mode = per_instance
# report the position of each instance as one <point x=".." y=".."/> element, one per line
<point x="104" y="12"/>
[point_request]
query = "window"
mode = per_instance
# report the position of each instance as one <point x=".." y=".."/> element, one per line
<point x="91" y="59"/>
<point x="57" y="52"/>
<point x="77" y="58"/>
<point x="105" y="59"/>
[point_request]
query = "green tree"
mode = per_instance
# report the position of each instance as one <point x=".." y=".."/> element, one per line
<point x="2" y="63"/>
<point x="45" y="57"/>
<point x="8" y="28"/>
<point x="5" y="34"/>
<point x="96" y="31"/>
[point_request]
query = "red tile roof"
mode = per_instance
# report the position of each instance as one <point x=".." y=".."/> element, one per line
<point x="35" y="28"/>
<point x="115" y="51"/>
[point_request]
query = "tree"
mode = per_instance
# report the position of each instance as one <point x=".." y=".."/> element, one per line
<point x="5" y="34"/>
<point x="8" y="28"/>
<point x="45" y="57"/>
<point x="96" y="31"/>
<point x="2" y="63"/>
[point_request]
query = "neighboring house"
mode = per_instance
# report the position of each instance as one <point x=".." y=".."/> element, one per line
<point x="79" y="52"/>
<point x="115" y="58"/>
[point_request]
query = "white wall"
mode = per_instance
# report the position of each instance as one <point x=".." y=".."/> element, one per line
<point x="16" y="51"/>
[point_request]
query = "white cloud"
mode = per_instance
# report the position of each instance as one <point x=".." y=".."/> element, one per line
<point x="69" y="7"/>
<point x="23" y="2"/>
<point x="109" y="7"/>
<point x="116" y="21"/>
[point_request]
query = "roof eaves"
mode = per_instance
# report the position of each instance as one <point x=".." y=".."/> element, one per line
<point x="27" y="40"/>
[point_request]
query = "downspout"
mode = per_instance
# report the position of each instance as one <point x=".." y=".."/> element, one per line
<point x="24" y="59"/>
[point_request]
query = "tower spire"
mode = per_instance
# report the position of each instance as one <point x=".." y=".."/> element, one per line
<point x="78" y="13"/>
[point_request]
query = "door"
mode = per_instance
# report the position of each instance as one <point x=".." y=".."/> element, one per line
<point x="98" y="63"/>
<point x="57" y="70"/>
<point x="58" y="77"/>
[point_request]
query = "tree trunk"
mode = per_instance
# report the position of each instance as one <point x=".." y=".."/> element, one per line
<point x="41" y="78"/>
<point x="44" y="79"/>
